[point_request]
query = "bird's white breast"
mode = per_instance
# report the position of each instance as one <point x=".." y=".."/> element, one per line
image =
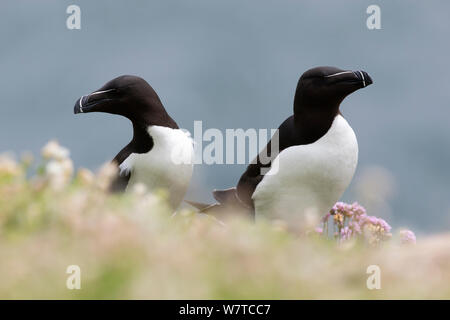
<point x="168" y="165"/>
<point x="309" y="177"/>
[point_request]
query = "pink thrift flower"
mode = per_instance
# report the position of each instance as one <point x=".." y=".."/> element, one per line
<point x="346" y="233"/>
<point x="325" y="218"/>
<point x="357" y="209"/>
<point x="407" y="237"/>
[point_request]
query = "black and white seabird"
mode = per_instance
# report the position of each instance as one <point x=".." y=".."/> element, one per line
<point x="160" y="154"/>
<point x="318" y="153"/>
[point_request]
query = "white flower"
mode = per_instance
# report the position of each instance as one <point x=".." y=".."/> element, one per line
<point x="8" y="166"/>
<point x="85" y="176"/>
<point x="59" y="173"/>
<point x="52" y="150"/>
<point x="106" y="174"/>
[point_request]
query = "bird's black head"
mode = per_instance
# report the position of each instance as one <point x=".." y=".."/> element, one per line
<point x="324" y="88"/>
<point x="128" y="96"/>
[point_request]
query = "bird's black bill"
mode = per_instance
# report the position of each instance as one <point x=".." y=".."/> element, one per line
<point x="91" y="102"/>
<point x="78" y="108"/>
<point x="363" y="77"/>
<point x="359" y="78"/>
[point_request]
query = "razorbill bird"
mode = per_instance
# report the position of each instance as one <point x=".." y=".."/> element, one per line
<point x="316" y="157"/>
<point x="160" y="154"/>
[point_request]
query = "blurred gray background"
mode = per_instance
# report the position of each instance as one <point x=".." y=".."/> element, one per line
<point x="235" y="64"/>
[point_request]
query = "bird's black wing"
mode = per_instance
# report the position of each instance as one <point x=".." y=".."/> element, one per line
<point x="120" y="182"/>
<point x="142" y="143"/>
<point x="261" y="164"/>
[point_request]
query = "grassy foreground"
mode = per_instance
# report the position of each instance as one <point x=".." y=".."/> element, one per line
<point x="130" y="246"/>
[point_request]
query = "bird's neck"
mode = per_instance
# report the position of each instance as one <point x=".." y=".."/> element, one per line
<point x="142" y="141"/>
<point x="313" y="122"/>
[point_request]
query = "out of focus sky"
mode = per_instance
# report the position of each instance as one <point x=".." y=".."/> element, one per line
<point x="235" y="64"/>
